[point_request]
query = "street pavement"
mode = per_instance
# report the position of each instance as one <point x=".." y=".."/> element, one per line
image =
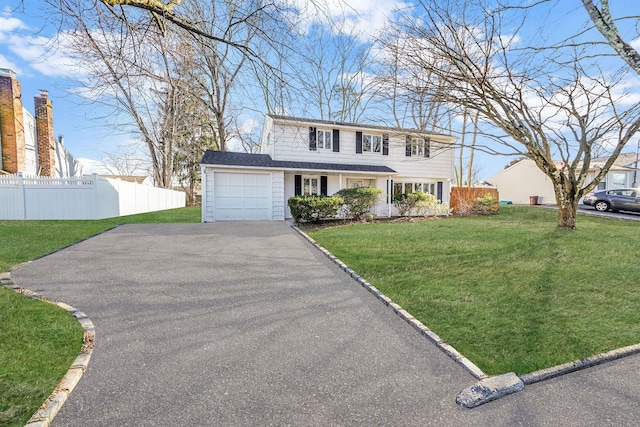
<point x="247" y="324"/>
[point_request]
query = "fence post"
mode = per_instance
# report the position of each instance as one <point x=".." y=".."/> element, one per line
<point x="23" y="197"/>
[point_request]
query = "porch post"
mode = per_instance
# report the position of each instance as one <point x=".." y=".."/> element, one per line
<point x="389" y="195"/>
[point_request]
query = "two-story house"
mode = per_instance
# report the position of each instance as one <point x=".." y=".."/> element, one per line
<point x="305" y="156"/>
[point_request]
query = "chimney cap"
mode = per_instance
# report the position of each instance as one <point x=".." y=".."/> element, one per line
<point x="44" y="93"/>
<point x="7" y="72"/>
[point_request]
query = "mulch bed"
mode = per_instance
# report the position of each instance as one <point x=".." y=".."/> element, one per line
<point x="331" y="223"/>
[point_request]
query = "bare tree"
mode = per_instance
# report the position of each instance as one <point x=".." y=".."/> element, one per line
<point x="129" y="71"/>
<point x="335" y="73"/>
<point x="126" y="160"/>
<point x="606" y="24"/>
<point x="554" y="107"/>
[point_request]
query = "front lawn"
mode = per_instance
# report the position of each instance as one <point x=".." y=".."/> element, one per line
<point x="38" y="340"/>
<point x="510" y="292"/>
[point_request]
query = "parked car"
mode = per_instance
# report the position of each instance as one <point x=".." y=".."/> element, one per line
<point x="619" y="199"/>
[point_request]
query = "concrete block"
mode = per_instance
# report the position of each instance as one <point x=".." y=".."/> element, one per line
<point x="489" y="389"/>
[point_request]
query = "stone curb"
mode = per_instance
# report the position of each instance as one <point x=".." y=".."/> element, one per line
<point x="415" y="323"/>
<point x="576" y="365"/>
<point x="49" y="409"/>
<point x="488" y="388"/>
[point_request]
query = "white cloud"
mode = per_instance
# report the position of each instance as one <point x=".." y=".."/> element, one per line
<point x="7" y="63"/>
<point x="23" y="50"/>
<point x="8" y="25"/>
<point x="45" y="55"/>
<point x="364" y="18"/>
<point x="90" y="166"/>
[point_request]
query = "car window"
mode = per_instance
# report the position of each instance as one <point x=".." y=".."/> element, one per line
<point x="619" y="192"/>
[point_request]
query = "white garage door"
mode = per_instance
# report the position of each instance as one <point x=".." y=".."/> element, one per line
<point x="242" y="196"/>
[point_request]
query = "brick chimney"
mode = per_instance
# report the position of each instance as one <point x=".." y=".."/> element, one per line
<point x="11" y="123"/>
<point x="44" y="134"/>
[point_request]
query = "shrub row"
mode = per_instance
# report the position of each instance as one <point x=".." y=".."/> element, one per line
<point x="357" y="202"/>
<point x="354" y="202"/>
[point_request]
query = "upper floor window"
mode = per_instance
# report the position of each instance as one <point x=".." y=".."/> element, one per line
<point x="418" y="146"/>
<point x="371" y="143"/>
<point x="324" y="139"/>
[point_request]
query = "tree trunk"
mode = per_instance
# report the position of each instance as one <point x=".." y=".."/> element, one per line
<point x="567" y="217"/>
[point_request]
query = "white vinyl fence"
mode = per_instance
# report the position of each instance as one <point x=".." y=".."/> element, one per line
<point x="92" y="197"/>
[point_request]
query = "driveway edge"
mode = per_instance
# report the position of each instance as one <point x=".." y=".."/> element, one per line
<point x="488" y="388"/>
<point x="49" y="409"/>
<point x="454" y="354"/>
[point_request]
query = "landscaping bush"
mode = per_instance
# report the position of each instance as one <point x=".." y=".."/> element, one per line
<point x="419" y="204"/>
<point x="486" y="205"/>
<point x="359" y="201"/>
<point x="314" y="208"/>
<point x="407" y="203"/>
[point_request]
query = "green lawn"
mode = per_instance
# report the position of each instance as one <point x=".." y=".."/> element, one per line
<point x="39" y="341"/>
<point x="510" y="292"/>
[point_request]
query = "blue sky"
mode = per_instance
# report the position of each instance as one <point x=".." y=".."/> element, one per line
<point x="26" y="47"/>
<point x="27" y="31"/>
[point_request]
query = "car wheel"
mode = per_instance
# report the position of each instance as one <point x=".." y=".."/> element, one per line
<point x="601" y="206"/>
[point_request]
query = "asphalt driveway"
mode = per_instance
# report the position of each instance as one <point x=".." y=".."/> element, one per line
<point x="247" y="324"/>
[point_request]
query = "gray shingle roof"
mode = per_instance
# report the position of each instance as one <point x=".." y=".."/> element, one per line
<point x="228" y="158"/>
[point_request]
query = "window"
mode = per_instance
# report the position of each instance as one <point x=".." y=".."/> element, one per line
<point x="420" y="147"/>
<point x="414" y="187"/>
<point x="619" y="180"/>
<point x="310" y="185"/>
<point x="371" y="143"/>
<point x="324" y="139"/>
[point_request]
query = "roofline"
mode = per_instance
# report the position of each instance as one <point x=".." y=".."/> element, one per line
<point x="319" y="171"/>
<point x="285" y="119"/>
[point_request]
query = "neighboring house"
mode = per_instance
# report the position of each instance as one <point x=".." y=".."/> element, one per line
<point x="305" y="157"/>
<point x="623" y="173"/>
<point x="27" y="142"/>
<point x="521" y="180"/>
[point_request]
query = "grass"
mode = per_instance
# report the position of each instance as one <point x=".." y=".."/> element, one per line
<point x="510" y="292"/>
<point x="39" y="341"/>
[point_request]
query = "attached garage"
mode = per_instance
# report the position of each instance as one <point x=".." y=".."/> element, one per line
<point x="251" y="187"/>
<point x="241" y="196"/>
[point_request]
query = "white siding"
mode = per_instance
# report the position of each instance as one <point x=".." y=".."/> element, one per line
<point x="278" y="199"/>
<point x="293" y="145"/>
<point x="519" y="182"/>
<point x="30" y="144"/>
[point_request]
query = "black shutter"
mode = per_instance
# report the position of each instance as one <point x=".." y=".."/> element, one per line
<point x="408" y="146"/>
<point x="439" y="192"/>
<point x="389" y="191"/>
<point x="385" y="144"/>
<point x="359" y="142"/>
<point x="323" y="185"/>
<point x="298" y="185"/>
<point x="312" y="139"/>
<point x="336" y="140"/>
<point x="427" y="147"/>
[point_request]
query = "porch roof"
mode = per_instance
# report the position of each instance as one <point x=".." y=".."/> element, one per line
<point x="264" y="161"/>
